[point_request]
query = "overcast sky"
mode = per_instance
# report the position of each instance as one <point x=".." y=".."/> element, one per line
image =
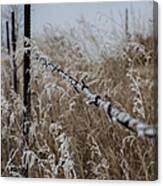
<point x="67" y="13"/>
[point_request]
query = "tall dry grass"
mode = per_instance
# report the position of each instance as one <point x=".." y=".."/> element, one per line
<point x="70" y="139"/>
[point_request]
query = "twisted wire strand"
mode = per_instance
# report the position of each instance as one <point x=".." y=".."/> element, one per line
<point x="114" y="113"/>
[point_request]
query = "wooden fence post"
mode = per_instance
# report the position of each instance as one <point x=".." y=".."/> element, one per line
<point x="13" y="37"/>
<point x="26" y="71"/>
<point x="26" y="83"/>
<point x="7" y="38"/>
<point x="126" y="24"/>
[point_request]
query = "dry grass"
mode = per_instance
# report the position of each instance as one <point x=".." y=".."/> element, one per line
<point x="68" y="138"/>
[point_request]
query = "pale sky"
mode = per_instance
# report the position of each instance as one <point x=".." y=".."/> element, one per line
<point x="67" y="13"/>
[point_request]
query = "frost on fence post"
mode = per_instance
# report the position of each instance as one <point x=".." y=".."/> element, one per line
<point x="26" y="76"/>
<point x="13" y="37"/>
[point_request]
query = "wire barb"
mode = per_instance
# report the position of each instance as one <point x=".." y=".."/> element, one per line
<point x="114" y="114"/>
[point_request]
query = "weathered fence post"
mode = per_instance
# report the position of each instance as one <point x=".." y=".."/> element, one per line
<point x="126" y="24"/>
<point x="13" y="51"/>
<point x="7" y="38"/>
<point x="26" y="72"/>
<point x="26" y="76"/>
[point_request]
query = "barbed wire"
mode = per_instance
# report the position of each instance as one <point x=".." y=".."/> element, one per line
<point x="114" y="113"/>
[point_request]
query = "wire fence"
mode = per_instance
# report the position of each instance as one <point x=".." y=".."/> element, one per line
<point x="114" y="114"/>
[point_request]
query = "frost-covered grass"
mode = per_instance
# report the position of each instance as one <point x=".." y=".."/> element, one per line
<point x="68" y="138"/>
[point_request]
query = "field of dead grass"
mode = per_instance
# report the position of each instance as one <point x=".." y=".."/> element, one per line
<point x="71" y="139"/>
